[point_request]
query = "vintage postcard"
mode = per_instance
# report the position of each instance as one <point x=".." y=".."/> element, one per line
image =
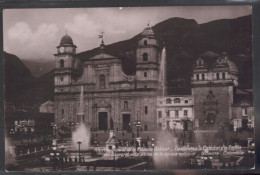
<point x="128" y="88"/>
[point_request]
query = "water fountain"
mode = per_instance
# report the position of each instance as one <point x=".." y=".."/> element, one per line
<point x="162" y="73"/>
<point x="80" y="145"/>
<point x="165" y="139"/>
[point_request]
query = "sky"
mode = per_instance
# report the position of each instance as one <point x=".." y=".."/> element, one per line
<point x="35" y="33"/>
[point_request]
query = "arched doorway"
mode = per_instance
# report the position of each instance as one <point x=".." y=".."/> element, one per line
<point x="210" y="120"/>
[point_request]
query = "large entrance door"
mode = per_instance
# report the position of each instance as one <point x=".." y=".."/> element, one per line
<point x="244" y="124"/>
<point x="102" y="118"/>
<point x="185" y="125"/>
<point x="126" y="121"/>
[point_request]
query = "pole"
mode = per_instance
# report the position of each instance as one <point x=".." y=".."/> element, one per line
<point x="79" y="142"/>
<point x="137" y="129"/>
<point x="54" y="160"/>
<point x="114" y="160"/>
<point x="62" y="149"/>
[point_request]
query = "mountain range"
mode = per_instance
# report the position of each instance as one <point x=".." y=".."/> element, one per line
<point x="185" y="40"/>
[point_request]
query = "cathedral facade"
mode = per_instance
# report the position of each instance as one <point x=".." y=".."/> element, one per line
<point x="97" y="92"/>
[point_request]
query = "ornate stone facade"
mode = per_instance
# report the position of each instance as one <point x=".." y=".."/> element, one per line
<point x="110" y="96"/>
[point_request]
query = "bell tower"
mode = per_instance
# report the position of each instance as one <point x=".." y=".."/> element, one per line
<point x="147" y="66"/>
<point x="212" y="89"/>
<point x="66" y="64"/>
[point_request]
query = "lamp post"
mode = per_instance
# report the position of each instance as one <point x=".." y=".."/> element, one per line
<point x="54" y="126"/>
<point x="79" y="142"/>
<point x="70" y="124"/>
<point x="137" y="123"/>
<point x="11" y="132"/>
<point x="153" y="144"/>
<point x="54" y="157"/>
<point x="62" y="150"/>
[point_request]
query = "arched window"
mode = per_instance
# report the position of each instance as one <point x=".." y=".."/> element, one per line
<point x="102" y="81"/>
<point x="217" y="76"/>
<point x="145" y="43"/>
<point x="145" y="57"/>
<point x="203" y="76"/>
<point x="177" y="100"/>
<point x="197" y="76"/>
<point x="168" y="101"/>
<point x="125" y="105"/>
<point x="61" y="63"/>
<point x="223" y="75"/>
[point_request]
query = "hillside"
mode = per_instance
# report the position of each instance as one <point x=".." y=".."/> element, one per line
<point x="185" y="40"/>
<point x="21" y="88"/>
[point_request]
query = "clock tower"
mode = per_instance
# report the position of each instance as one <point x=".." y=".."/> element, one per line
<point x="66" y="64"/>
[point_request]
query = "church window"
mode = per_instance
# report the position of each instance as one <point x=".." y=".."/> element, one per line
<point x="223" y="75"/>
<point x="62" y="111"/>
<point x="102" y="81"/>
<point x="145" y="74"/>
<point x="176" y="113"/>
<point x="177" y="100"/>
<point x="168" y="101"/>
<point x="160" y="114"/>
<point x="217" y="76"/>
<point x="145" y="57"/>
<point x="197" y="76"/>
<point x="145" y="43"/>
<point x="61" y="78"/>
<point x="145" y="127"/>
<point x="146" y="109"/>
<point x="185" y="113"/>
<point x="203" y="76"/>
<point x="61" y="63"/>
<point x="168" y="113"/>
<point x="125" y="105"/>
<point x="186" y="101"/>
<point x="244" y="112"/>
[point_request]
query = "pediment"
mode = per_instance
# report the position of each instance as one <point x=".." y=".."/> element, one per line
<point x="244" y="104"/>
<point x="103" y="56"/>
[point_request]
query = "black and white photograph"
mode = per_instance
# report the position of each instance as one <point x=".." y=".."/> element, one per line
<point x="128" y="88"/>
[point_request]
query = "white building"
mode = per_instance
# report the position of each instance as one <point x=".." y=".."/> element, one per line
<point x="175" y="112"/>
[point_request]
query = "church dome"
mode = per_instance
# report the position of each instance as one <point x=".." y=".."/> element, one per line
<point x="232" y="67"/>
<point x="66" y="39"/>
<point x="148" y="31"/>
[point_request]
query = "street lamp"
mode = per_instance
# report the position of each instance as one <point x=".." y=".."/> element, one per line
<point x="62" y="150"/>
<point x="54" y="157"/>
<point x="153" y="144"/>
<point x="54" y="126"/>
<point x="70" y="124"/>
<point x="12" y="132"/>
<point x="137" y="123"/>
<point x="79" y="142"/>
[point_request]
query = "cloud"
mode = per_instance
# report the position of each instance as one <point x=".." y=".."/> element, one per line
<point x="88" y="26"/>
<point x="30" y="42"/>
<point x="22" y="32"/>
